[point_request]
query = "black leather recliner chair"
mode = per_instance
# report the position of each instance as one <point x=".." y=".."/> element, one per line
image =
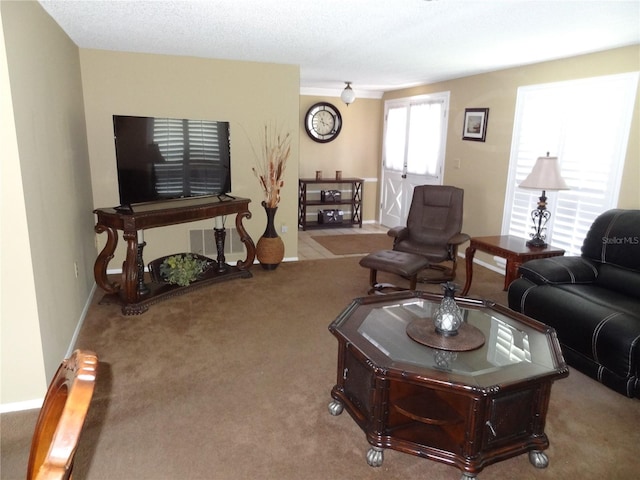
<point x="592" y="301"/>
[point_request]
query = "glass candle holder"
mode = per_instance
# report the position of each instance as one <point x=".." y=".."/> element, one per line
<point x="448" y="316"/>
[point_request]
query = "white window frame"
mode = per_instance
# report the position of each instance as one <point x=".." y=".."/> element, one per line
<point x="591" y="165"/>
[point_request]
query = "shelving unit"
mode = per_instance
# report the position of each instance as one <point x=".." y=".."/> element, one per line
<point x="351" y="195"/>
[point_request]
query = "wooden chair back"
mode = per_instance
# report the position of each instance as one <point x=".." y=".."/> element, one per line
<point x="62" y="417"/>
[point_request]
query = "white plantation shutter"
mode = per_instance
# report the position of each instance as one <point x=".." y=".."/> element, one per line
<point x="168" y="134"/>
<point x="204" y="156"/>
<point x="511" y="345"/>
<point x="191" y="156"/>
<point x="585" y="123"/>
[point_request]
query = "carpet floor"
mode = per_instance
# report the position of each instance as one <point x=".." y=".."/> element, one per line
<point x="350" y="244"/>
<point x="232" y="381"/>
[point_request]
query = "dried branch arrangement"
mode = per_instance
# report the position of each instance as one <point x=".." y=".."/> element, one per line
<point x="271" y="163"/>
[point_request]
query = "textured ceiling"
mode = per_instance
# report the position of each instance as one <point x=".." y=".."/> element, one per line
<point x="379" y="45"/>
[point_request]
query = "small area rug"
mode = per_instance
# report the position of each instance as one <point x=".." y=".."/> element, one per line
<point x="349" y="244"/>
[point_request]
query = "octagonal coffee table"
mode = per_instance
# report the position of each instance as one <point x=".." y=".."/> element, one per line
<point x="467" y="408"/>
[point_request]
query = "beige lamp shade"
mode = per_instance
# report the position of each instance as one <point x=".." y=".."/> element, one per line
<point x="545" y="175"/>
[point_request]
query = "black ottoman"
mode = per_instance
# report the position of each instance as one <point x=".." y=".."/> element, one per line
<point x="400" y="263"/>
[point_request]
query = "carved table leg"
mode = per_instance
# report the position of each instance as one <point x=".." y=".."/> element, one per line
<point x="143" y="290"/>
<point x="511" y="272"/>
<point x="105" y="256"/>
<point x="468" y="254"/>
<point x="247" y="240"/>
<point x="220" y="234"/>
<point x="129" y="290"/>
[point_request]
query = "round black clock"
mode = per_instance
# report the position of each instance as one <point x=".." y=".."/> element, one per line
<point x="323" y="122"/>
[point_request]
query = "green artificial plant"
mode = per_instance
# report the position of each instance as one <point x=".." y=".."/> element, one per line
<point x="182" y="269"/>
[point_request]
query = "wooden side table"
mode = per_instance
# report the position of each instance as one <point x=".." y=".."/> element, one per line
<point x="513" y="249"/>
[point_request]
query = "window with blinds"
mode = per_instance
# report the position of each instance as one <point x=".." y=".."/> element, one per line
<point x="192" y="157"/>
<point x="585" y="123"/>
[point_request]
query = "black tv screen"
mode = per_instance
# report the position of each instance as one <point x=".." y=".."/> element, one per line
<point x="168" y="158"/>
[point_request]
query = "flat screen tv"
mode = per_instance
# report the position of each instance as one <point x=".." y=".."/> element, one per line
<point x="168" y="158"/>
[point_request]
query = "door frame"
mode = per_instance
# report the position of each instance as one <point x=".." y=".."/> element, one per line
<point x="396" y="188"/>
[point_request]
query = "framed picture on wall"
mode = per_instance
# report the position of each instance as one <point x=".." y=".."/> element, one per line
<point x="475" y="124"/>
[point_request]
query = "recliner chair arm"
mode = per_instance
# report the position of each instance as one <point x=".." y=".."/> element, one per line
<point x="557" y="270"/>
<point x="398" y="233"/>
<point x="458" y="239"/>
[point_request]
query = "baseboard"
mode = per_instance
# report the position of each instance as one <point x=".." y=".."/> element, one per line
<point x="484" y="264"/>
<point x="83" y="315"/>
<point x="491" y="267"/>
<point x="20" y="406"/>
<point x="37" y="402"/>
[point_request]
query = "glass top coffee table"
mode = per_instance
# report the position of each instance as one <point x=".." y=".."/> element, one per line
<point x="466" y="408"/>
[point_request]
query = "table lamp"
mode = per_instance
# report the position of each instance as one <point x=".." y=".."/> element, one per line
<point x="544" y="176"/>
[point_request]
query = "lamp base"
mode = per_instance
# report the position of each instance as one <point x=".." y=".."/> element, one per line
<point x="536" y="242"/>
<point x="540" y="217"/>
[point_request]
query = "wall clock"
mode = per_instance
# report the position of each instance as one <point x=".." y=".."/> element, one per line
<point x="323" y="122"/>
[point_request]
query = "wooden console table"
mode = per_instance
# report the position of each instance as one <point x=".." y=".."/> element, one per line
<point x="513" y="249"/>
<point x="132" y="292"/>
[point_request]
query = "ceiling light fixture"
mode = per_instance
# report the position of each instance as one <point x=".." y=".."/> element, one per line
<point x="348" y="96"/>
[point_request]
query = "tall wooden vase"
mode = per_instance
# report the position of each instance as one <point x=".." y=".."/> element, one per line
<point x="270" y="247"/>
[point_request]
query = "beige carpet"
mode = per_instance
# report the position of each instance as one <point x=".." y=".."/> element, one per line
<point x="232" y="382"/>
<point x="354" y="243"/>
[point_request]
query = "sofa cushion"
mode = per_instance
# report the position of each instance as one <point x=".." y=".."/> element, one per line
<point x="627" y="385"/>
<point x="556" y="270"/>
<point x="601" y="324"/>
<point x="619" y="279"/>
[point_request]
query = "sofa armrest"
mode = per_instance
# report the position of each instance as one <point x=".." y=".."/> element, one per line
<point x="557" y="270"/>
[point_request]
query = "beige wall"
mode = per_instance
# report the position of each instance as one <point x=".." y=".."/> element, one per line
<point x="249" y="95"/>
<point x="46" y="203"/>
<point x="356" y="150"/>
<point x="484" y="166"/>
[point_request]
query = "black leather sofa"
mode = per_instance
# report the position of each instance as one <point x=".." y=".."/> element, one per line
<point x="593" y="301"/>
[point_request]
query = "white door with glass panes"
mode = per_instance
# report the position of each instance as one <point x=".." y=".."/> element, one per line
<point x="415" y="132"/>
